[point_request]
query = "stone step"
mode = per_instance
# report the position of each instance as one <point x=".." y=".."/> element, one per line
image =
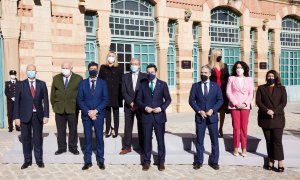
<point x="180" y="149"/>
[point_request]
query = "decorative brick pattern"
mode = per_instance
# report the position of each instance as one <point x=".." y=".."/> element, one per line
<point x="191" y="4"/>
<point x="25" y="10"/>
<point x="62" y="32"/>
<point x="26" y="27"/>
<point x="26" y="44"/>
<point x="62" y="18"/>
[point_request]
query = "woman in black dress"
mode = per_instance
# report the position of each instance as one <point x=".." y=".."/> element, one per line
<point x="220" y="75"/>
<point x="112" y="73"/>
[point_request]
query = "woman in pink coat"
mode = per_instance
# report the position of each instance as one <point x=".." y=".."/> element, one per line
<point x="240" y="94"/>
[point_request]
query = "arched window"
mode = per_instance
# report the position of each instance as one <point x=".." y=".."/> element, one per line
<point x="290" y="52"/>
<point x="224" y="32"/>
<point x="132" y="27"/>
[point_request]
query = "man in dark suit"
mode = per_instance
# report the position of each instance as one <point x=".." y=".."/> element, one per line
<point x="63" y="99"/>
<point x="10" y="93"/>
<point x="206" y="99"/>
<point x="153" y="98"/>
<point x="31" y="109"/>
<point x="92" y="99"/>
<point x="130" y="86"/>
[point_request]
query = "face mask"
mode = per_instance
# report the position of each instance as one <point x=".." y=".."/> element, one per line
<point x="13" y="77"/>
<point x="239" y="71"/>
<point x="66" y="72"/>
<point x="31" y="74"/>
<point x="219" y="58"/>
<point x="134" y="68"/>
<point x="93" y="73"/>
<point x="270" y="81"/>
<point x="150" y="76"/>
<point x="204" y="78"/>
<point x="111" y="59"/>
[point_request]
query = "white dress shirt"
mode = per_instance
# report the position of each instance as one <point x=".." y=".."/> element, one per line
<point x="207" y="85"/>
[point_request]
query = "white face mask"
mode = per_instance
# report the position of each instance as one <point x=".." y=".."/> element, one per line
<point x="111" y="59"/>
<point x="66" y="72"/>
<point x="13" y="77"/>
<point x="239" y="71"/>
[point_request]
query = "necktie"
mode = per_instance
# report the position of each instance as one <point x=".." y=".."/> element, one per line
<point x="151" y="86"/>
<point x="134" y="81"/>
<point x="13" y="82"/>
<point x="93" y="87"/>
<point x="66" y="83"/>
<point x="205" y="89"/>
<point x="32" y="92"/>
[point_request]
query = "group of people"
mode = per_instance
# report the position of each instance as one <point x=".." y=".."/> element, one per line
<point x="147" y="98"/>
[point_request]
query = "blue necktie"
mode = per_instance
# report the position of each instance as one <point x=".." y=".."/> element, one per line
<point x="205" y="89"/>
<point x="66" y="83"/>
<point x="93" y="87"/>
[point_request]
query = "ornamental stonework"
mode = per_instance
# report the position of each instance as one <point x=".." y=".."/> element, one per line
<point x="187" y="4"/>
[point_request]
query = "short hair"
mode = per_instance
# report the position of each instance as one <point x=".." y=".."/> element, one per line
<point x="207" y="67"/>
<point x="152" y="66"/>
<point x="276" y="76"/>
<point x="245" y="67"/>
<point x="92" y="64"/>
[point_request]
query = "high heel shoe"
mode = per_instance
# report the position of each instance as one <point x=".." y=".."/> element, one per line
<point x="270" y="167"/>
<point x="110" y="133"/>
<point x="280" y="169"/>
<point x="235" y="153"/>
<point x="220" y="133"/>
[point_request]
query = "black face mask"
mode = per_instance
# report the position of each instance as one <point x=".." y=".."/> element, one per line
<point x="270" y="81"/>
<point x="219" y="58"/>
<point x="204" y="78"/>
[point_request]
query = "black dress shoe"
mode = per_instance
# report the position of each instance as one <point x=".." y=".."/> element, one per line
<point x="101" y="166"/>
<point x="74" y="151"/>
<point x="26" y="165"/>
<point x="87" y="166"/>
<point x="58" y="152"/>
<point x="10" y="130"/>
<point x="18" y="128"/>
<point x="146" y="167"/>
<point x="40" y="164"/>
<point x="197" y="166"/>
<point x="115" y="135"/>
<point x="214" y="166"/>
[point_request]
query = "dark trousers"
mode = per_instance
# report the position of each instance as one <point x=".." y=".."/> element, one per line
<point x="10" y="108"/>
<point x="88" y="125"/>
<point x="36" y="140"/>
<point x="213" y="133"/>
<point x="274" y="143"/>
<point x="129" y="121"/>
<point x="159" y="129"/>
<point x="108" y="119"/>
<point x="61" y="124"/>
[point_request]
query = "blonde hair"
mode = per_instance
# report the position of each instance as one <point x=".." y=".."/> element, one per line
<point x="116" y="63"/>
<point x="213" y="58"/>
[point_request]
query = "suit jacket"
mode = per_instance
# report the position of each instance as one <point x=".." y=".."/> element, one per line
<point x="237" y="94"/>
<point x="160" y="98"/>
<point x="10" y="90"/>
<point x="275" y="101"/>
<point x="88" y="101"/>
<point x="127" y="88"/>
<point x="23" y="108"/>
<point x="64" y="100"/>
<point x="113" y="78"/>
<point x="199" y="102"/>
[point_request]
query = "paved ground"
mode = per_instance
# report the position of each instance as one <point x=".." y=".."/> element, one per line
<point x="178" y="123"/>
